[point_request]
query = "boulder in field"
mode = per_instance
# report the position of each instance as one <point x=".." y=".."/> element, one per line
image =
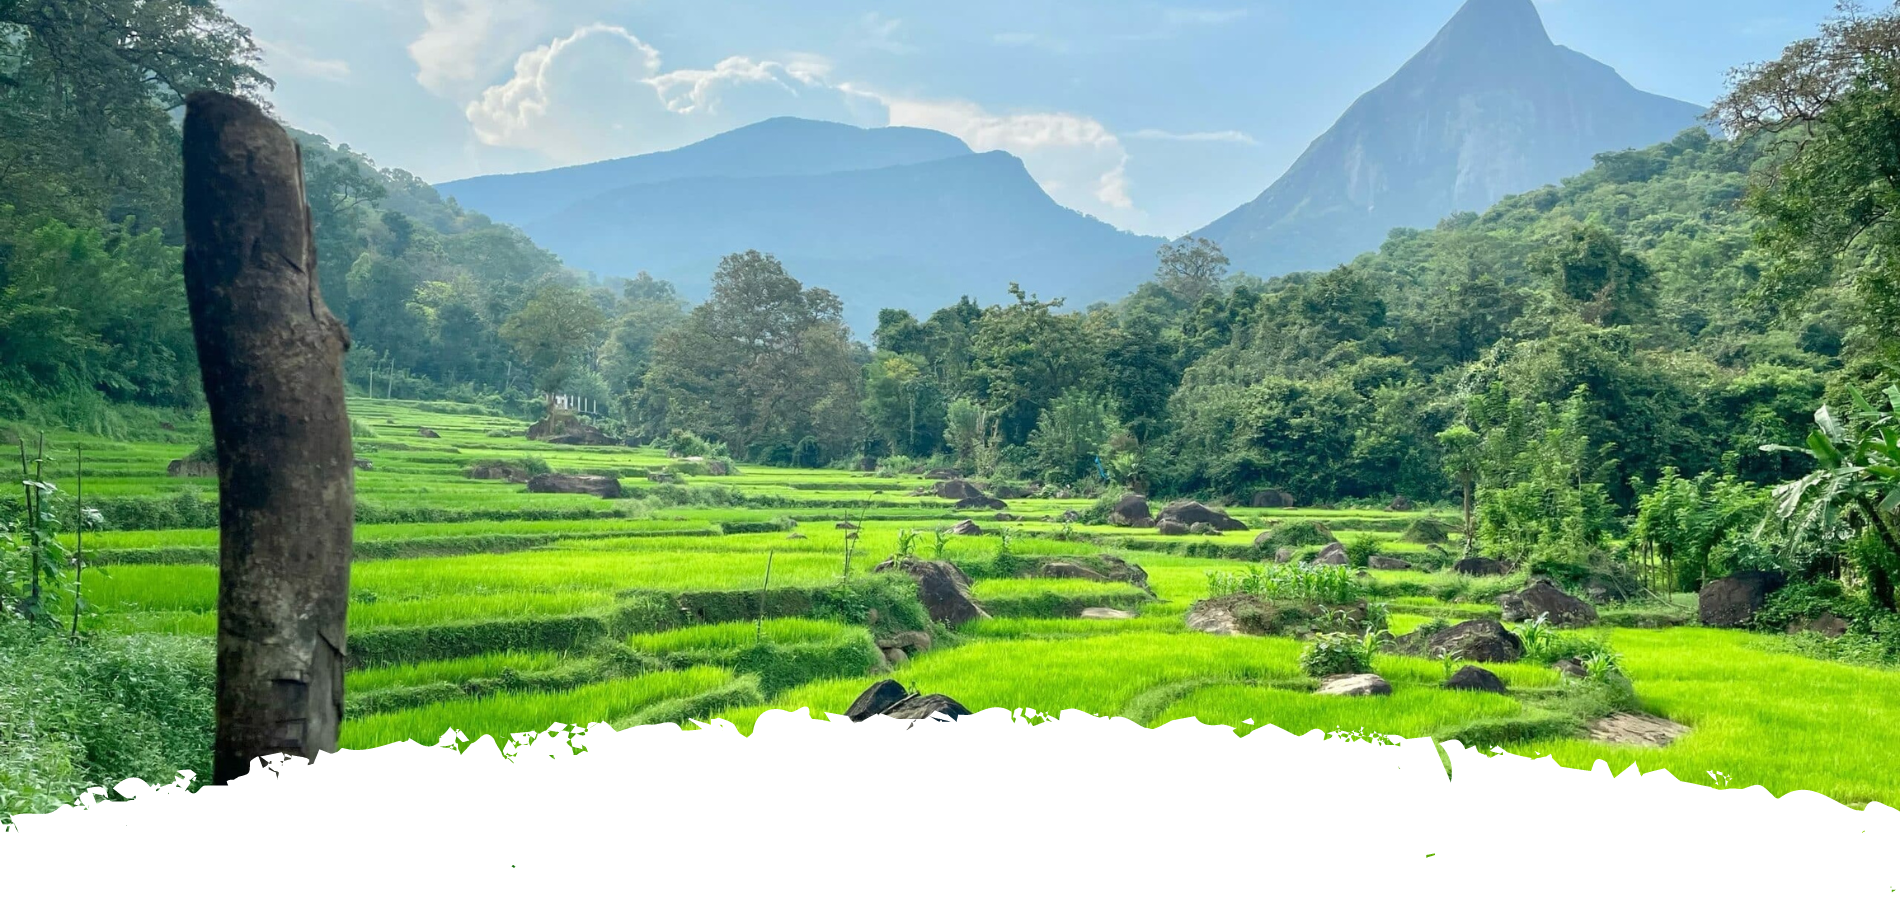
<point x="497" y="473"/>
<point x="1172" y="528"/>
<point x="1401" y="503"/>
<point x="1730" y="602"/>
<point x="966" y="528"/>
<point x="1246" y="614"/>
<point x="876" y="699"/>
<point x="1131" y="511"/>
<point x="1386" y="563"/>
<point x="1825" y="625"/>
<point x="1283" y="555"/>
<point x="1062" y="568"/>
<point x="1477" y="640"/>
<point x="1570" y="668"/>
<point x="426" y="433"/>
<point x="1635" y="729"/>
<point x="1479" y="566"/>
<point x="1474" y="678"/>
<point x="1333" y="554"/>
<point x="1102" y="612"/>
<point x="1541" y="598"/>
<point x="981" y="503"/>
<point x="597" y="485"/>
<point x="958" y="489"/>
<point x="941" y="586"/>
<point x="911" y="641"/>
<point x="1273" y="499"/>
<point x="1191" y="512"/>
<point x="943" y="474"/>
<point x="928" y="706"/>
<point x="1007" y="517"/>
<point x="1007" y="492"/>
<point x="192" y="468"/>
<point x="894" y="656"/>
<point x="562" y="426"/>
<point x="363" y="465"/>
<point x="1366" y="685"/>
<point x="845" y="526"/>
<point x="1202" y="528"/>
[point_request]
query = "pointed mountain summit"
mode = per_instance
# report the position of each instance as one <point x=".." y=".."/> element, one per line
<point x="1491" y="107"/>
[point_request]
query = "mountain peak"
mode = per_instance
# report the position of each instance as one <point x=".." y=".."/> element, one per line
<point x="1482" y="24"/>
<point x="1489" y="108"/>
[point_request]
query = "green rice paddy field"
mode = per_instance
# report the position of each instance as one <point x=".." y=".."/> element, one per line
<point x="480" y="607"/>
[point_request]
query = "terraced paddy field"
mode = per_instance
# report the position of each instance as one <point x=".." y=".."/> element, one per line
<point x="481" y="607"/>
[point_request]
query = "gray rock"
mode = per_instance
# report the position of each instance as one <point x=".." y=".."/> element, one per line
<point x="1479" y="565"/>
<point x="876" y="699"/>
<point x="1541" y="598"/>
<point x="927" y="706"/>
<point x="1473" y="678"/>
<point x="1131" y="511"/>
<point x="1172" y="528"/>
<point x="911" y="641"/>
<point x="1477" y="640"/>
<point x="1353" y="686"/>
<point x="1826" y="625"/>
<point x="943" y="588"/>
<point x="1190" y="513"/>
<point x="1731" y="602"/>
<point x="1387" y="563"/>
<point x="966" y="528"/>
<point x="1100" y="612"/>
<point x="597" y="485"/>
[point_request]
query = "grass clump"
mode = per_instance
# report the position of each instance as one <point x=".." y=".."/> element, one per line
<point x="1289" y="583"/>
<point x="92" y="713"/>
<point x="1335" y="653"/>
<point x="1300" y="533"/>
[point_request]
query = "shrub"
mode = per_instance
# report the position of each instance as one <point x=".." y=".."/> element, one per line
<point x="1545" y="644"/>
<point x="1805" y="600"/>
<point x="892" y="466"/>
<point x="1427" y="530"/>
<point x="92" y="713"/>
<point x="1361" y="549"/>
<point x="1300" y="534"/>
<point x="1335" y="653"/>
<point x="685" y="443"/>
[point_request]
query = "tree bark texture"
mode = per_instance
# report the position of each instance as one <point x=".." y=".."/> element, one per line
<point x="272" y="359"/>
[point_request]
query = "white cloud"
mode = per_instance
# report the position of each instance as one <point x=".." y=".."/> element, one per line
<point x="463" y="37"/>
<point x="602" y="92"/>
<point x="1076" y="158"/>
<point x="1229" y="137"/>
<point x="299" y="60"/>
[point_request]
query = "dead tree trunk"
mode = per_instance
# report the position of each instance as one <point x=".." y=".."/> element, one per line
<point x="272" y="358"/>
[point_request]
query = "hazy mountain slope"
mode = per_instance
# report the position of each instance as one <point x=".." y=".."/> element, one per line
<point x="914" y="236"/>
<point x="782" y="146"/>
<point x="1491" y="107"/>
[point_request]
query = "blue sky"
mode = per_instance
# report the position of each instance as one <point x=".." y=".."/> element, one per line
<point x="1157" y="117"/>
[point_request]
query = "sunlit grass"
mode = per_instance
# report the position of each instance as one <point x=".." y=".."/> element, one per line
<point x="502" y="715"/>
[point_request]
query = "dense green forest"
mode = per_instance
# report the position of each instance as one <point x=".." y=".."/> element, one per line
<point x="1674" y="311"/>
